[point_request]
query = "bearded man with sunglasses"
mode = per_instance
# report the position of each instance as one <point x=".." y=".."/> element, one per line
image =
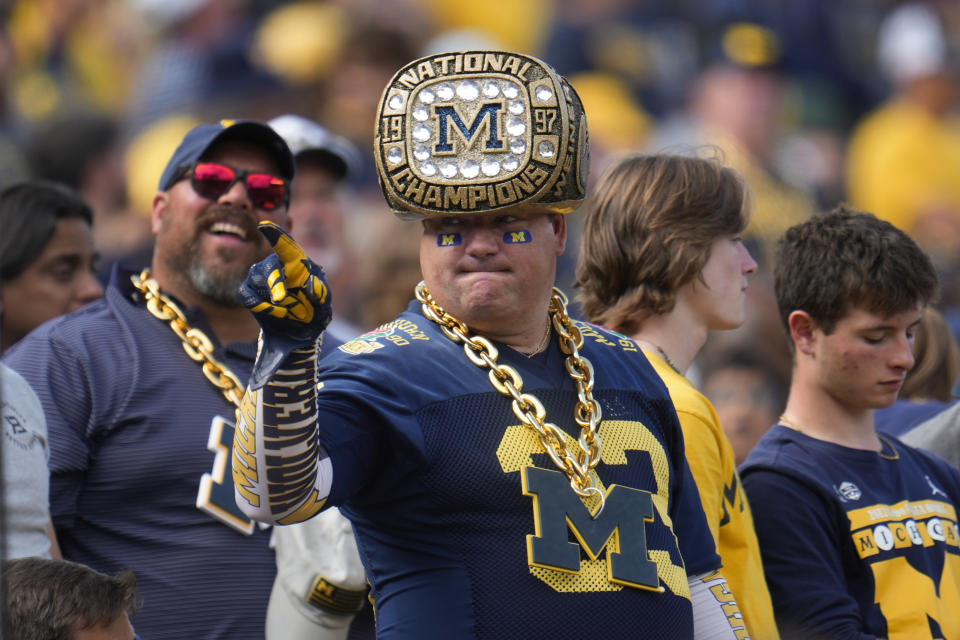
<point x="509" y="472"/>
<point x="140" y="391"/>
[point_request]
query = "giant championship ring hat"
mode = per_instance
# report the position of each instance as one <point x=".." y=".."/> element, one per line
<point x="476" y="132"/>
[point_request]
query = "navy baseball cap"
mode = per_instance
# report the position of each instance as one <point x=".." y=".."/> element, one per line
<point x="199" y="139"/>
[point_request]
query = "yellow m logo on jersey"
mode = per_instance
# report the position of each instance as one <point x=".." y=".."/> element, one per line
<point x="619" y="529"/>
<point x="548" y="547"/>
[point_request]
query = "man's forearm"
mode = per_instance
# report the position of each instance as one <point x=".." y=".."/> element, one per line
<point x="716" y="615"/>
<point x="280" y="472"/>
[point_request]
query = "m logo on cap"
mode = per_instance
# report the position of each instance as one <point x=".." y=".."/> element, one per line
<point x="447" y="115"/>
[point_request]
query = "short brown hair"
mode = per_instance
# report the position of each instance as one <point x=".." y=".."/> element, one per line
<point x="50" y="599"/>
<point x="649" y="227"/>
<point x="834" y="263"/>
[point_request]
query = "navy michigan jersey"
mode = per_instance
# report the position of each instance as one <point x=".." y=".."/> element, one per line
<point x="856" y="543"/>
<point x="465" y="526"/>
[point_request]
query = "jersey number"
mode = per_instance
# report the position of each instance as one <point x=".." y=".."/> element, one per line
<point x="216" y="496"/>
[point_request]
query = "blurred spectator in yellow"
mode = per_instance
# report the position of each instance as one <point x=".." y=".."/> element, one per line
<point x="72" y="52"/>
<point x="144" y="158"/>
<point x="515" y="25"/>
<point x="618" y="123"/>
<point x="333" y="60"/>
<point x="736" y="103"/>
<point x="146" y="155"/>
<point x="904" y="157"/>
<point x="301" y="42"/>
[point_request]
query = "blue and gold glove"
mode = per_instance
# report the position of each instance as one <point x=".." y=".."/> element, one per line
<point x="289" y="298"/>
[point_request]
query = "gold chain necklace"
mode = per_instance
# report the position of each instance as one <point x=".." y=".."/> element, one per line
<point x="528" y="408"/>
<point x="195" y="342"/>
<point x="544" y="341"/>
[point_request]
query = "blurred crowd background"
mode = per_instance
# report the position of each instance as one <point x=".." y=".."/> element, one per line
<point x="815" y="102"/>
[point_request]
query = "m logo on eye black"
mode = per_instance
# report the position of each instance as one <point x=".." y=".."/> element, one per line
<point x="448" y="239"/>
<point x="620" y="528"/>
<point x="517" y="237"/>
<point x="447" y="115"/>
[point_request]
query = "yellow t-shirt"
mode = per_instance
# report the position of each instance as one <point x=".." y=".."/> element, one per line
<point x="711" y="461"/>
<point x="902" y="162"/>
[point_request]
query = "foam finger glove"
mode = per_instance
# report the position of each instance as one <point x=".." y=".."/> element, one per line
<point x="287" y="294"/>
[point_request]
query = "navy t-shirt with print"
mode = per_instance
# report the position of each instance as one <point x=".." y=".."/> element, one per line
<point x="855" y="543"/>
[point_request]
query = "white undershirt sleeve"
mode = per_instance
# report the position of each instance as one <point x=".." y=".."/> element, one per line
<point x="716" y="615"/>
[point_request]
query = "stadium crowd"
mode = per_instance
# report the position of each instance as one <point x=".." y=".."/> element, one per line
<point x="822" y="108"/>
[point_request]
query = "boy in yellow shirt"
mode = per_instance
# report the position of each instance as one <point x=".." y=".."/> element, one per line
<point x="662" y="262"/>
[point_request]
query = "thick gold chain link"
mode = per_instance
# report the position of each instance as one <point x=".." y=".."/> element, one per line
<point x="195" y="342"/>
<point x="528" y="409"/>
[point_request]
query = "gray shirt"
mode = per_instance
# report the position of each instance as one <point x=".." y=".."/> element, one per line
<point x="939" y="434"/>
<point x="25" y="475"/>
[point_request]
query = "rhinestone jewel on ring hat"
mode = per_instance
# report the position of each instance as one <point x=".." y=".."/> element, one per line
<point x="476" y="132"/>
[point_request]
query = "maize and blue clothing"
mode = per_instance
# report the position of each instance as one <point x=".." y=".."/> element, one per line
<point x="465" y="526"/>
<point x="856" y="543"/>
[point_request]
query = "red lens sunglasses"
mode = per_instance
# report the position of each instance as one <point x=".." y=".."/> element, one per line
<point x="213" y="179"/>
